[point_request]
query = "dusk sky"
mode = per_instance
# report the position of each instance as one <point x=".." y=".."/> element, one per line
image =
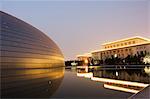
<point x="81" y="26"/>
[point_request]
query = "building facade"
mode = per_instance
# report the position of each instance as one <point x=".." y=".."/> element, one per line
<point x="86" y="58"/>
<point x="123" y="48"/>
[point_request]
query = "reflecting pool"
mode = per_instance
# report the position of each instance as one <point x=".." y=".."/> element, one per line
<point x="31" y="83"/>
<point x="103" y="82"/>
<point x="81" y="81"/>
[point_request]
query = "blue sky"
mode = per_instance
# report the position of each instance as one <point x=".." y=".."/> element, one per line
<point x="82" y="26"/>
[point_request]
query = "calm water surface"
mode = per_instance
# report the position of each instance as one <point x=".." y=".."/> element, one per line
<point x="101" y="82"/>
<point x="77" y="82"/>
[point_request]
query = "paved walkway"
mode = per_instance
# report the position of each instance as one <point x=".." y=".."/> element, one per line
<point x="144" y="94"/>
<point x="73" y="86"/>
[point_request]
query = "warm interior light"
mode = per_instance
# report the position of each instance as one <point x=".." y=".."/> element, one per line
<point x="86" y="61"/>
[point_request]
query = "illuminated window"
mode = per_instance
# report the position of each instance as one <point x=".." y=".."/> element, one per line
<point x="115" y="55"/>
<point x="125" y="43"/>
<point x="121" y="44"/>
<point x="133" y="42"/>
<point x="117" y="44"/>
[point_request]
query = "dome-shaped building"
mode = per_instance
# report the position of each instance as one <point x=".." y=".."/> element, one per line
<point x="32" y="65"/>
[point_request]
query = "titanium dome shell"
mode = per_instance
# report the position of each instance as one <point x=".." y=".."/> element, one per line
<point x="32" y="65"/>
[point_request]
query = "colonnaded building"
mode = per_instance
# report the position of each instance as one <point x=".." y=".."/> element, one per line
<point x="121" y="48"/>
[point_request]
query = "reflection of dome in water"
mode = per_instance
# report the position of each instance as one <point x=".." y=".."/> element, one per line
<point x="31" y="63"/>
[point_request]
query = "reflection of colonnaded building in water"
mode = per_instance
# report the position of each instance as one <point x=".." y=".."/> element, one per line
<point x="125" y="80"/>
<point x="31" y="63"/>
<point x="136" y="75"/>
<point x="120" y="48"/>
